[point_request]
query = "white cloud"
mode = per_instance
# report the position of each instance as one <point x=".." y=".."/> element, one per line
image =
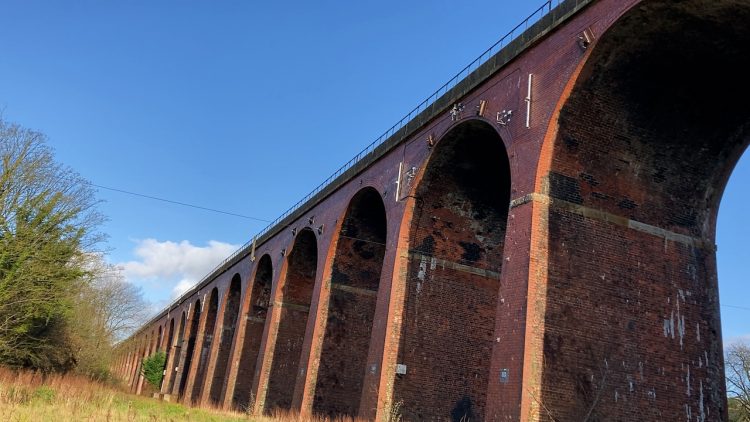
<point x="179" y="265"/>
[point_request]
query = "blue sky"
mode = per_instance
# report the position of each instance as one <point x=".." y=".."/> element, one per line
<point x="245" y="106"/>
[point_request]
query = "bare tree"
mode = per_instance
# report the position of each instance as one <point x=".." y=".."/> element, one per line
<point x="122" y="307"/>
<point x="738" y="380"/>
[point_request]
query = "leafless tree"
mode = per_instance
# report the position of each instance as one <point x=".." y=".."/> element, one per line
<point x="738" y="380"/>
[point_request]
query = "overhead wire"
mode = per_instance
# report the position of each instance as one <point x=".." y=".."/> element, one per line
<point x="184" y="204"/>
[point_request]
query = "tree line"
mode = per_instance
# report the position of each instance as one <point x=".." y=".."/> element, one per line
<point x="62" y="307"/>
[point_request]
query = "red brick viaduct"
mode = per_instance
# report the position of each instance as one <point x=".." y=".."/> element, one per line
<point x="536" y="243"/>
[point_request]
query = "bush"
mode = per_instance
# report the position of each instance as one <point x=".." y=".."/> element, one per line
<point x="153" y="368"/>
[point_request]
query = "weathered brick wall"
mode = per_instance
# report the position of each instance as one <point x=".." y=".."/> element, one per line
<point x="187" y="359"/>
<point x="231" y="312"/>
<point x="632" y="327"/>
<point x="173" y="362"/>
<point x="357" y="265"/>
<point x="458" y="233"/>
<point x="295" y="302"/>
<point x="603" y="305"/>
<point x="205" y="348"/>
<point x="260" y="296"/>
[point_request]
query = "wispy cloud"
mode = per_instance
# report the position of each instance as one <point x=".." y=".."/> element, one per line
<point x="172" y="264"/>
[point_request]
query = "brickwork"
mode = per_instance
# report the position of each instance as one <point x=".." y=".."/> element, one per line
<point x="225" y="337"/>
<point x="169" y="353"/>
<point x="456" y="253"/>
<point x="632" y="328"/>
<point x="189" y="349"/>
<point x="351" y="307"/>
<point x="259" y="300"/>
<point x="295" y="303"/>
<point x="202" y="352"/>
<point x="173" y="360"/>
<point x="557" y="265"/>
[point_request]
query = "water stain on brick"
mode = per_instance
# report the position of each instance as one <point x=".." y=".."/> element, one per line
<point x="565" y="188"/>
<point x="627" y="204"/>
<point x="472" y="251"/>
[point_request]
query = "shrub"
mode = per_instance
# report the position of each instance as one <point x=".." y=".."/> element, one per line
<point x="153" y="368"/>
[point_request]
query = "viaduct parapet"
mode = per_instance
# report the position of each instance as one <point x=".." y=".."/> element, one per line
<point x="535" y="243"/>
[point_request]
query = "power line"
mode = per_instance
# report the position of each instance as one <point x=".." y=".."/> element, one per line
<point x="155" y="198"/>
<point x="736" y="307"/>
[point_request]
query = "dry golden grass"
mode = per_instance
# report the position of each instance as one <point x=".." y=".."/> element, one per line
<point x="30" y="396"/>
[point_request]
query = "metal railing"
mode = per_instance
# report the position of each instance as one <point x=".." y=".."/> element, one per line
<point x="534" y="17"/>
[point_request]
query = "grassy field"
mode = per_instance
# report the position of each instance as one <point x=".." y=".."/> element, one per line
<point x="26" y="396"/>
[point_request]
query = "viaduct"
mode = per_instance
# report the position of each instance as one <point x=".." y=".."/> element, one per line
<point x="535" y="242"/>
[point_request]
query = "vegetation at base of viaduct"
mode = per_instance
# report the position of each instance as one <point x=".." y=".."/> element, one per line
<point x="61" y="306"/>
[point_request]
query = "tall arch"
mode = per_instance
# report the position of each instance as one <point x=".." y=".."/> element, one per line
<point x="259" y="298"/>
<point x="456" y="242"/>
<point x="179" y="342"/>
<point x="355" y="278"/>
<point x="192" y="337"/>
<point x="200" y="374"/>
<point x="643" y="148"/>
<point x="295" y="299"/>
<point x="231" y="312"/>
<point x="168" y="350"/>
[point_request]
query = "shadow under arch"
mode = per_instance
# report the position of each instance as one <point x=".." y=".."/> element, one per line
<point x="176" y="352"/>
<point x="168" y="346"/>
<point x="208" y="337"/>
<point x="456" y="241"/>
<point x="194" y="322"/>
<point x="258" y="299"/>
<point x="644" y="147"/>
<point x="294" y="299"/>
<point x="355" y="279"/>
<point x="226" y="336"/>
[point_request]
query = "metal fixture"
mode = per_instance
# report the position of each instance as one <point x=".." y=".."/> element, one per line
<point x="481" y="107"/>
<point x="458" y="108"/>
<point x="503" y="117"/>
<point x="400" y="369"/>
<point x="584" y="40"/>
<point x="528" y="102"/>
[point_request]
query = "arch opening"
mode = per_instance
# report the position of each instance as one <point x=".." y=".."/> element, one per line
<point x="176" y="353"/>
<point x="295" y="297"/>
<point x="194" y="322"/>
<point x="231" y="312"/>
<point x="456" y="243"/>
<point x="200" y="374"/>
<point x="168" y="347"/>
<point x="259" y="298"/>
<point x="645" y="145"/>
<point x="355" y="278"/>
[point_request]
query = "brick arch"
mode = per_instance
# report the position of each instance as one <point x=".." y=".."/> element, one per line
<point x="227" y="334"/>
<point x="258" y="300"/>
<point x="176" y="353"/>
<point x="190" y="350"/>
<point x="643" y="147"/>
<point x="205" y="349"/>
<point x="355" y="278"/>
<point x="168" y="349"/>
<point x="456" y="241"/>
<point x="294" y="298"/>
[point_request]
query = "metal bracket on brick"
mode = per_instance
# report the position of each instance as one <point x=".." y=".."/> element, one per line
<point x="503" y="117"/>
